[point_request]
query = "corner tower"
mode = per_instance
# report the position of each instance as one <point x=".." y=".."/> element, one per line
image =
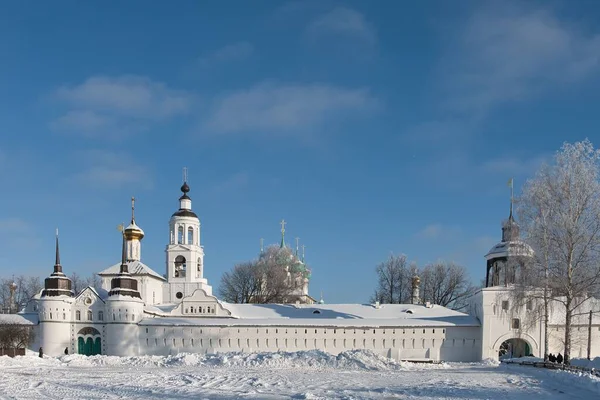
<point x="57" y="284"/>
<point x="185" y="255"/>
<point x="505" y="260"/>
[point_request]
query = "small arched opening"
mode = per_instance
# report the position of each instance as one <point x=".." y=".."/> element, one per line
<point x="180" y="267"/>
<point x="190" y="235"/>
<point x="180" y="235"/>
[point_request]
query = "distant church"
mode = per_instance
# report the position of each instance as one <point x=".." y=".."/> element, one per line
<point x="140" y="312"/>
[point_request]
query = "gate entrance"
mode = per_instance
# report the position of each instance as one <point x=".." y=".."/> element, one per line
<point x="514" y="348"/>
<point x="89" y="342"/>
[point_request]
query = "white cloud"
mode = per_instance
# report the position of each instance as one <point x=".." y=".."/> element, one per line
<point x="106" y="169"/>
<point x="510" y="54"/>
<point x="286" y="108"/>
<point x="436" y="231"/>
<point x="343" y="21"/>
<point x="127" y="95"/>
<point x="232" y="52"/>
<point x="103" y="106"/>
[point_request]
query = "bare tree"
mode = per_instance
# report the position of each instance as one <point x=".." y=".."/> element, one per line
<point x="241" y="284"/>
<point x="78" y="283"/>
<point x="15" y="336"/>
<point x="446" y="284"/>
<point x="26" y="288"/>
<point x="270" y="279"/>
<point x="393" y="281"/>
<point x="93" y="281"/>
<point x="561" y="208"/>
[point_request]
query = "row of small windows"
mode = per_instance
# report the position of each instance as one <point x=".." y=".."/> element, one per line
<point x="200" y="310"/>
<point x="276" y="342"/>
<point x="506" y="305"/>
<point x="90" y="316"/>
<point x="353" y="331"/>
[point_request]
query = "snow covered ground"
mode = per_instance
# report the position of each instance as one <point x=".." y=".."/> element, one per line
<point x="302" y="375"/>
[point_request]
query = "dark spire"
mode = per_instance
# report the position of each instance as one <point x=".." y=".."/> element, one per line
<point x="57" y="284"/>
<point x="57" y="266"/>
<point x="124" y="269"/>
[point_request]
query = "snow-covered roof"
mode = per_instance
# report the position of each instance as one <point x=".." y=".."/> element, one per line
<point x="349" y="315"/>
<point x="134" y="268"/>
<point x="510" y="248"/>
<point x="20" y="319"/>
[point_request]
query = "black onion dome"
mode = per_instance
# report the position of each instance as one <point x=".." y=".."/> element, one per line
<point x="185" y="189"/>
<point x="185" y="213"/>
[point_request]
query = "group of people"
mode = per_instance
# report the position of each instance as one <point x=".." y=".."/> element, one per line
<point x="556" y="359"/>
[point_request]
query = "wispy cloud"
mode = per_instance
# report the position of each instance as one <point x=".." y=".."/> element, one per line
<point x="509" y="53"/>
<point x="343" y="21"/>
<point x="101" y="104"/>
<point x="232" y="52"/>
<point x="233" y="183"/>
<point x="286" y="108"/>
<point x="107" y="169"/>
<point x="436" y="231"/>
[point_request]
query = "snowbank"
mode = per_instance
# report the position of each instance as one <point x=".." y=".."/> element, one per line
<point x="585" y="363"/>
<point x="349" y="360"/>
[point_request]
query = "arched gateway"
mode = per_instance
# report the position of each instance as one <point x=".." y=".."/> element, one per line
<point x="514" y="348"/>
<point x="89" y="342"/>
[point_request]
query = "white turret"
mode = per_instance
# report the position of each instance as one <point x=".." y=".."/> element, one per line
<point x="133" y="235"/>
<point x="185" y="255"/>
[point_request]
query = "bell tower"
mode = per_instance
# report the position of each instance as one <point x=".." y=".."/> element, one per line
<point x="185" y="255"/>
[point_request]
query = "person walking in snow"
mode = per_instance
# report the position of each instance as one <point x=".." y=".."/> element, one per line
<point x="41" y="353"/>
<point x="559" y="358"/>
<point x="551" y="358"/>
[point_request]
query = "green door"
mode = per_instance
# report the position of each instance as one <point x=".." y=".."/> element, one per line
<point x="80" y="345"/>
<point x="89" y="346"/>
<point x="97" y="346"/>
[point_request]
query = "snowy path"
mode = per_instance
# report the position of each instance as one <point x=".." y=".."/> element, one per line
<point x="188" y="377"/>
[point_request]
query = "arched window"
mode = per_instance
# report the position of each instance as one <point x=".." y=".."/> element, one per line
<point x="180" y="235"/>
<point x="90" y="316"/>
<point x="180" y="266"/>
<point x="199" y="265"/>
<point x="190" y="236"/>
<point x="100" y="316"/>
<point x="78" y="315"/>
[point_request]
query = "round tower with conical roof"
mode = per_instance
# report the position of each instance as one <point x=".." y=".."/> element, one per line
<point x="506" y="259"/>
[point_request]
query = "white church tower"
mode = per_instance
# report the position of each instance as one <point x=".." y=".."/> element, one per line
<point x="185" y="255"/>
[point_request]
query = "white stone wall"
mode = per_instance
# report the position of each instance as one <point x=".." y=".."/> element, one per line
<point x="399" y="343"/>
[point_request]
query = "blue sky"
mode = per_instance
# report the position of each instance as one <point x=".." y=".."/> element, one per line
<point x="372" y="128"/>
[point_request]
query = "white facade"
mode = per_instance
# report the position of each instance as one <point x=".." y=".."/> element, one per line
<point x="180" y="314"/>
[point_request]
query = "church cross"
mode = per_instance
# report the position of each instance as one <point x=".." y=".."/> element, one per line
<point x="132" y="209"/>
<point x="283" y="226"/>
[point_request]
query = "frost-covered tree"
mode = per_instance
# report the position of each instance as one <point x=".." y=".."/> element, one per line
<point x="275" y="277"/>
<point x="560" y="210"/>
<point x="26" y="288"/>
